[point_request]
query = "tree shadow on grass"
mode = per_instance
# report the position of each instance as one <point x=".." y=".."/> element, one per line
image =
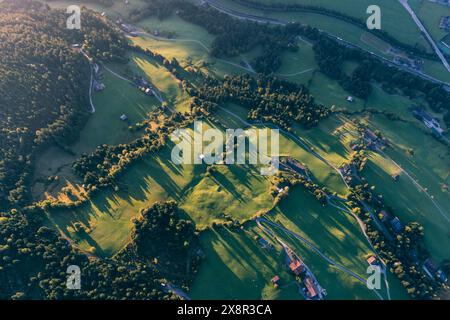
<point x="226" y="184"/>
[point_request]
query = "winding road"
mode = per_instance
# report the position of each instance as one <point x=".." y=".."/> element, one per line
<point x="91" y="83"/>
<point x="315" y="249"/>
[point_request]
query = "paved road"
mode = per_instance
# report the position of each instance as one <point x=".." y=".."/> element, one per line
<point x="259" y="19"/>
<point x="422" y="28"/>
<point x="91" y="83"/>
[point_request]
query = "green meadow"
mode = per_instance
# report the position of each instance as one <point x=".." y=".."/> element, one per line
<point x="431" y="13"/>
<point x="104" y="126"/>
<point x="337" y="235"/>
<point x="235" y="191"/>
<point x="428" y="166"/>
<point x="288" y="146"/>
<point x="395" y="20"/>
<point x="237" y="267"/>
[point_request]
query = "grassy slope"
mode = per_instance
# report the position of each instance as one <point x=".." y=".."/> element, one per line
<point x="104" y="126"/>
<point x="237" y="191"/>
<point x="321" y="172"/>
<point x="232" y="190"/>
<point x="429" y="166"/>
<point x="236" y="267"/>
<point x="246" y="268"/>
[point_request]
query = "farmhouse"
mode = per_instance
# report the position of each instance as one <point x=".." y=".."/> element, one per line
<point x="433" y="271"/>
<point x="444" y="23"/>
<point x="397" y="226"/>
<point x="264" y="243"/>
<point x="312" y="293"/>
<point x="349" y="170"/>
<point x="296" y="267"/>
<point x="275" y="280"/>
<point x="372" y="260"/>
<point x="98" y="86"/>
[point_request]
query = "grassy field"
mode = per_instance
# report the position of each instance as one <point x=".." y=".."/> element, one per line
<point x="395" y="19"/>
<point x="429" y="166"/>
<point x="104" y="126"/>
<point x="234" y="191"/>
<point x="236" y="267"/>
<point x="108" y="215"/>
<point x="337" y="235"/>
<point x="245" y="268"/>
<point x="431" y="13"/>
<point x="190" y="45"/>
<point x="321" y="172"/>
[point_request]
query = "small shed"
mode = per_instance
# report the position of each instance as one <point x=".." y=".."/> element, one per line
<point x="372" y="260"/>
<point x="123" y="117"/>
<point x="275" y="280"/>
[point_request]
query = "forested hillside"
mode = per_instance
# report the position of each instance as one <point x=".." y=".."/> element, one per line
<point x="43" y="85"/>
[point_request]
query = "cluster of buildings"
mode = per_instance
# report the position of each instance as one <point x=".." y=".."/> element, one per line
<point x="428" y="121"/>
<point x="349" y="171"/>
<point x="373" y="141"/>
<point x="309" y="286"/>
